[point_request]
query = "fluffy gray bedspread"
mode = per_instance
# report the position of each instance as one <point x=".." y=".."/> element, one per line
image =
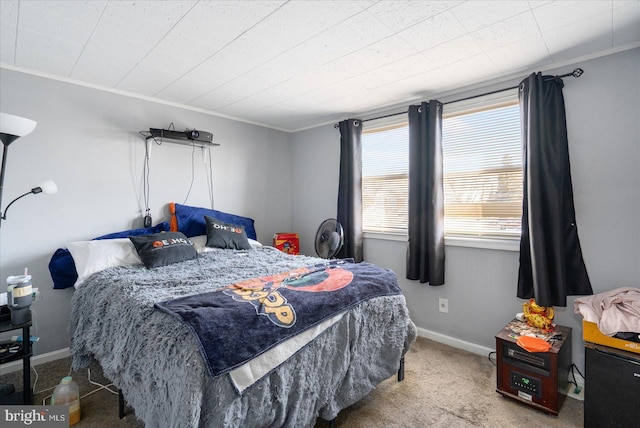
<point x="155" y="360"/>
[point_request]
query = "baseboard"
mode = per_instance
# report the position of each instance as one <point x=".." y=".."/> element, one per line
<point x="456" y="343"/>
<point x="36" y="360"/>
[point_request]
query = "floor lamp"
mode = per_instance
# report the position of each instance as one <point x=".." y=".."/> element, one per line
<point x="11" y="128"/>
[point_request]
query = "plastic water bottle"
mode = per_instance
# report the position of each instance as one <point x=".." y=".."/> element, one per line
<point x="68" y="394"/>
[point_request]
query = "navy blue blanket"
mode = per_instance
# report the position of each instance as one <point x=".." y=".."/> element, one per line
<point x="241" y="321"/>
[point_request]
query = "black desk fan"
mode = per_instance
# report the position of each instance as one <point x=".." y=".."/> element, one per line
<point x="329" y="238"/>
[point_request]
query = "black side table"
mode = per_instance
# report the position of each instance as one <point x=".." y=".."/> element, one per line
<point x="25" y="354"/>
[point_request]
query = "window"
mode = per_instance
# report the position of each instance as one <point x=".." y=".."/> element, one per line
<point x="385" y="184"/>
<point x="482" y="162"/>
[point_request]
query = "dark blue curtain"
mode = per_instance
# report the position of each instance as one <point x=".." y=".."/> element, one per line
<point x="350" y="189"/>
<point x="425" y="248"/>
<point x="551" y="263"/>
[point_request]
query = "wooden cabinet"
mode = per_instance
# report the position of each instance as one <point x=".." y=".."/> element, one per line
<point x="538" y="379"/>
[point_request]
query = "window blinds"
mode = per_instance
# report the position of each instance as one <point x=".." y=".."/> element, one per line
<point x="482" y="170"/>
<point x="385" y="184"/>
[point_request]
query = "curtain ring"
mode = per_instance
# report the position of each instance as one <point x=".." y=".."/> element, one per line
<point x="356" y="123"/>
<point x="420" y="109"/>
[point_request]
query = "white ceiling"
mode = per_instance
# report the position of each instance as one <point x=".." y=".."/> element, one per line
<point x="295" y="64"/>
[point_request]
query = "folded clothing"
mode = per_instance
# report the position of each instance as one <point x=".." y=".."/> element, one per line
<point x="613" y="311"/>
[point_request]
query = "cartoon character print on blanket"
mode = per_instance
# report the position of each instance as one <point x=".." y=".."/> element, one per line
<point x="263" y="292"/>
<point x="245" y="319"/>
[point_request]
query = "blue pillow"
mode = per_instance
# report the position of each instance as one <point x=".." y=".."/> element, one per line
<point x="160" y="227"/>
<point x="63" y="269"/>
<point x="191" y="220"/>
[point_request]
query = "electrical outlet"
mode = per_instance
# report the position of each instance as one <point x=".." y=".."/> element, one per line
<point x="443" y="305"/>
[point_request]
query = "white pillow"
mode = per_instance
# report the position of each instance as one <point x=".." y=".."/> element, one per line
<point x="93" y="256"/>
<point x="200" y="243"/>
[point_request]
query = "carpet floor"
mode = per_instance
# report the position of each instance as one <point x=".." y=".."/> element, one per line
<point x="443" y="387"/>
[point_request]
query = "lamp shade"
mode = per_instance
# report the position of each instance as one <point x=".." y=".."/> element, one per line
<point x="48" y="187"/>
<point x="15" y="125"/>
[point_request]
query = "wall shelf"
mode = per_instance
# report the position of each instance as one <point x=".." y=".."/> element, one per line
<point x="189" y="143"/>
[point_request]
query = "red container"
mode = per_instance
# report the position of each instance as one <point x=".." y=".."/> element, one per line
<point x="287" y="242"/>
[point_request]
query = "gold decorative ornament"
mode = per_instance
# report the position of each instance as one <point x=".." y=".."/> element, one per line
<point x="538" y="316"/>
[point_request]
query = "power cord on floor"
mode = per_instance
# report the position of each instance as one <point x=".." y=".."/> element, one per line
<point x="34" y="319"/>
<point x="489" y="357"/>
<point x="574" y="369"/>
<point x="99" y="385"/>
<point x="35" y="382"/>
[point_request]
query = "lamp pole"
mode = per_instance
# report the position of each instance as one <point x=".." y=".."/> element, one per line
<point x="4" y="163"/>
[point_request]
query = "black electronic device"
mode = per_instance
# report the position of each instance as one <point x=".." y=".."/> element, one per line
<point x="612" y="387"/>
<point x="9" y="349"/>
<point x="188" y="135"/>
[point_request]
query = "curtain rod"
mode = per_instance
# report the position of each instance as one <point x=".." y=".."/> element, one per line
<point x="575" y="73"/>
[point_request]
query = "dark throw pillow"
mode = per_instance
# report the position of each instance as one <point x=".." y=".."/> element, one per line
<point x="162" y="249"/>
<point x="226" y="235"/>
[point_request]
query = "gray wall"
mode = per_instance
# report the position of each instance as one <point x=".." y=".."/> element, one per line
<point x="603" y="116"/>
<point x="87" y="141"/>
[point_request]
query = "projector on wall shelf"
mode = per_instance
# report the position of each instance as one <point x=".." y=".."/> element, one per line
<point x="188" y="136"/>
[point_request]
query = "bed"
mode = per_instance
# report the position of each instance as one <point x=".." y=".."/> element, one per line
<point x="128" y="319"/>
